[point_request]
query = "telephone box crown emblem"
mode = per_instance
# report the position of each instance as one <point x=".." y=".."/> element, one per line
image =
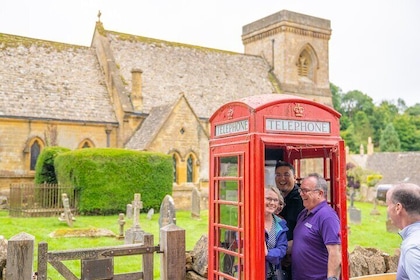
<point x="229" y="113"/>
<point x="298" y="110"/>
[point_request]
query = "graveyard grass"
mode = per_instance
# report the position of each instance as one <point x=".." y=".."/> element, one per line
<point x="370" y="233"/>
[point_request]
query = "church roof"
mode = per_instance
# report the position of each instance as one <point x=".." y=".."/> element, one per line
<point x="150" y="127"/>
<point x="209" y="78"/>
<point x="50" y="80"/>
<point x="394" y="167"/>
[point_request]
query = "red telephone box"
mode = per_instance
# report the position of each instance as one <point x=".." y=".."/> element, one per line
<point x="247" y="138"/>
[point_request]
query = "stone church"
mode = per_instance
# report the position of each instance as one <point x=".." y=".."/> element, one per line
<point x="132" y="92"/>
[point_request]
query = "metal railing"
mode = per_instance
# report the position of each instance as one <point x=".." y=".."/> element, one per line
<point x="43" y="200"/>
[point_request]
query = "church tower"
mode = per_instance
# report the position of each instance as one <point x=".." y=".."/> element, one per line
<point x="296" y="48"/>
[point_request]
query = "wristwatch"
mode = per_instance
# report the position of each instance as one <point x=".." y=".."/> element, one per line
<point x="332" y="278"/>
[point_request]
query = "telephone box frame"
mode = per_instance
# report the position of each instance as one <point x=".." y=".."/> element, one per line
<point x="247" y="136"/>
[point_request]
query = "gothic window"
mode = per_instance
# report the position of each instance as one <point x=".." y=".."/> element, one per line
<point x="86" y="144"/>
<point x="304" y="64"/>
<point x="307" y="63"/>
<point x="35" y="151"/>
<point x="190" y="169"/>
<point x="174" y="162"/>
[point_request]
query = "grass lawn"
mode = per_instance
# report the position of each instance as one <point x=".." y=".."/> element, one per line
<point x="370" y="233"/>
<point x="41" y="228"/>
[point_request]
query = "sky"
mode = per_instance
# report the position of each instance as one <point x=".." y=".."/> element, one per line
<point x="374" y="46"/>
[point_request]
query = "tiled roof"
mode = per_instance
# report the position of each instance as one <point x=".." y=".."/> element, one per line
<point x="150" y="127"/>
<point x="209" y="78"/>
<point x="49" y="80"/>
<point x="394" y="167"/>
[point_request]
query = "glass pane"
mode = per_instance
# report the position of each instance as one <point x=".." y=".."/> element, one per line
<point x="229" y="166"/>
<point x="229" y="215"/>
<point x="229" y="264"/>
<point x="228" y="190"/>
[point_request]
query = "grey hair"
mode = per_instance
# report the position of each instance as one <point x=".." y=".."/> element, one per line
<point x="408" y="195"/>
<point x="321" y="183"/>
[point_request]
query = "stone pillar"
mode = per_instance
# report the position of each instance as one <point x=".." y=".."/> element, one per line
<point x="20" y="257"/>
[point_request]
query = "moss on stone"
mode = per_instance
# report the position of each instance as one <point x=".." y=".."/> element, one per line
<point x="13" y="41"/>
<point x="161" y="43"/>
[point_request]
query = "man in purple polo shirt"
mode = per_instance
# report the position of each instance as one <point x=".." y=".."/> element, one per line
<point x="316" y="250"/>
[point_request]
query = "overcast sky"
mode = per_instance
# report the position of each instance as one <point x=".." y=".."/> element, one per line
<point x="374" y="46"/>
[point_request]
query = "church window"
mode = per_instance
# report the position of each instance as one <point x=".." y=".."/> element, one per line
<point x="190" y="169"/>
<point x="307" y="63"/>
<point x="87" y="143"/>
<point x="175" y="165"/>
<point x="174" y="162"/>
<point x="304" y="64"/>
<point x="35" y="151"/>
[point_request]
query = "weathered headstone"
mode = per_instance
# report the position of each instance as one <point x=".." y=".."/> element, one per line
<point x="150" y="213"/>
<point x="66" y="216"/>
<point x="195" y="203"/>
<point x="129" y="211"/>
<point x="121" y="223"/>
<point x="167" y="212"/>
<point x="355" y="215"/>
<point x="3" y="253"/>
<point x="135" y="234"/>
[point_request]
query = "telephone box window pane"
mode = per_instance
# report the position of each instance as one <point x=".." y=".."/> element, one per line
<point x="229" y="215"/>
<point x="228" y="190"/>
<point x="229" y="166"/>
<point x="229" y="264"/>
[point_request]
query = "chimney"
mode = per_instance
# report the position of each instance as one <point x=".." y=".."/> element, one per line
<point x="136" y="94"/>
<point x="370" y="146"/>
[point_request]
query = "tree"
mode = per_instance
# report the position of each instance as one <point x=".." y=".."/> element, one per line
<point x="337" y="94"/>
<point x="389" y="141"/>
<point x="406" y="131"/>
<point x="355" y="101"/>
<point x="382" y="115"/>
<point x="349" y="138"/>
<point x="364" y="128"/>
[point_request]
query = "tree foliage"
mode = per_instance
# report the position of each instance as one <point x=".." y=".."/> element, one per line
<point x="361" y="119"/>
<point x="390" y="141"/>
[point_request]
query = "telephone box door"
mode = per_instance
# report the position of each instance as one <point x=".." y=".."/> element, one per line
<point x="230" y="166"/>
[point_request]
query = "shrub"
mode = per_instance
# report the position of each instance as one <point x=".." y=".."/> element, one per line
<point x="106" y="179"/>
<point x="44" y="168"/>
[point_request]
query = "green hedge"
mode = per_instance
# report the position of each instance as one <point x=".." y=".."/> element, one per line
<point x="44" y="168"/>
<point x="107" y="179"/>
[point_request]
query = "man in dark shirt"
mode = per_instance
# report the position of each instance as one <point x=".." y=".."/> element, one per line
<point x="285" y="178"/>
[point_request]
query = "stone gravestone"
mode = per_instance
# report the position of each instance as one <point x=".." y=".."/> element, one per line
<point x="121" y="223"/>
<point x="129" y="211"/>
<point x="150" y="213"/>
<point x="195" y="203"/>
<point x="66" y="216"/>
<point x="135" y="234"/>
<point x="167" y="212"/>
<point x="355" y="215"/>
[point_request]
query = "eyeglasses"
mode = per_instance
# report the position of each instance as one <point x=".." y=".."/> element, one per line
<point x="285" y="175"/>
<point x="305" y="191"/>
<point x="269" y="199"/>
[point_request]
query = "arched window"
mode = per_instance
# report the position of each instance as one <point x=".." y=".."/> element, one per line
<point x="176" y="158"/>
<point x="307" y="63"/>
<point x="190" y="169"/>
<point x="174" y="162"/>
<point x="87" y="143"/>
<point x="35" y="151"/>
